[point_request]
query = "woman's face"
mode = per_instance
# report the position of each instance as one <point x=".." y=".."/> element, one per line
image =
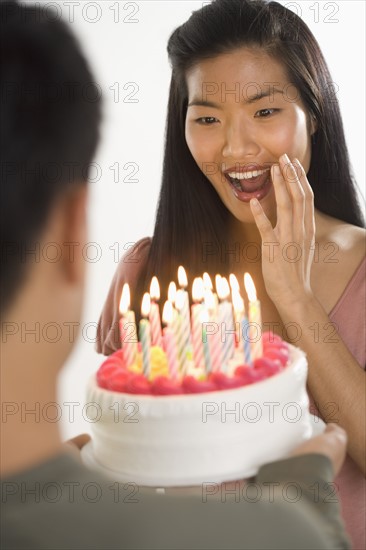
<point x="243" y="114"/>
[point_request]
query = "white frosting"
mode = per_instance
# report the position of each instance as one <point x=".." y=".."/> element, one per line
<point x="190" y="439"/>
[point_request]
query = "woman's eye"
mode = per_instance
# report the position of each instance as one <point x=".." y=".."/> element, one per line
<point x="207" y="120"/>
<point x="265" y="113"/>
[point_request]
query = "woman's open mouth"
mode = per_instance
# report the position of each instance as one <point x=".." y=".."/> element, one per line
<point x="249" y="185"/>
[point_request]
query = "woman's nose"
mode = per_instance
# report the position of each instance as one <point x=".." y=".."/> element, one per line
<point x="240" y="142"/>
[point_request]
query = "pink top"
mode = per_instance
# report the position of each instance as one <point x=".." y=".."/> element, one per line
<point x="349" y="316"/>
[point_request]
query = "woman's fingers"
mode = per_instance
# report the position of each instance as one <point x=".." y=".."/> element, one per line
<point x="297" y="197"/>
<point x="262" y="222"/>
<point x="283" y="201"/>
<point x="309" y="220"/>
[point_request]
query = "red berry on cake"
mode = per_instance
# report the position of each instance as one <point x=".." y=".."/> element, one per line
<point x="225" y="382"/>
<point x="162" y="385"/>
<point x="248" y="374"/>
<point x="137" y="383"/>
<point x="193" y="385"/>
<point x="266" y="367"/>
<point x="277" y="354"/>
<point x="118" y="380"/>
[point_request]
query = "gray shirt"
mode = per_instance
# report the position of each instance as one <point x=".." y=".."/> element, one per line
<point x="62" y="505"/>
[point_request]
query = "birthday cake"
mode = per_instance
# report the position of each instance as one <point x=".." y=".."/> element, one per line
<point x="160" y="430"/>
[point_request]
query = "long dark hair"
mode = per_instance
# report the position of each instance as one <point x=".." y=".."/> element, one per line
<point x="192" y="222"/>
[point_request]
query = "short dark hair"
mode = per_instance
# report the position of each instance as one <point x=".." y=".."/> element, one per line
<point x="190" y="213"/>
<point x="50" y="118"/>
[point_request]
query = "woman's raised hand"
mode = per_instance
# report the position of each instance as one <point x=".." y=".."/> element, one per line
<point x="288" y="248"/>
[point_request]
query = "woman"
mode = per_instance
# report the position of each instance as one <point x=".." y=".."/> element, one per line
<point x="256" y="177"/>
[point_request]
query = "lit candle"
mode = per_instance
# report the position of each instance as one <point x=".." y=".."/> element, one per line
<point x="145" y="334"/>
<point x="127" y="328"/>
<point x="176" y="321"/>
<point x="206" y="348"/>
<point x="181" y="334"/>
<point x="226" y="321"/>
<point x="169" y="340"/>
<point x="182" y="305"/>
<point x="255" y="318"/>
<point x="207" y="283"/>
<point x="154" y="316"/>
<point x="238" y="306"/>
<point x="196" y="309"/>
<point x="172" y="292"/>
<point x="234" y="283"/>
<point x="241" y="318"/>
<point x="214" y="339"/>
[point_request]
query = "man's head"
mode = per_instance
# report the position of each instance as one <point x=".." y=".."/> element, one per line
<point x="50" y="113"/>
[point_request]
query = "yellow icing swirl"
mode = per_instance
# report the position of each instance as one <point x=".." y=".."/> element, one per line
<point x="158" y="363"/>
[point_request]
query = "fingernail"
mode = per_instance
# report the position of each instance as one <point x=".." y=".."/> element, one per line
<point x="285" y="158"/>
<point x="255" y="203"/>
<point x="276" y="170"/>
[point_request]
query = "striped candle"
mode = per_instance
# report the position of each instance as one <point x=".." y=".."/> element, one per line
<point x="170" y="347"/>
<point x="255" y="318"/>
<point x="145" y="334"/>
<point x="184" y="333"/>
<point x="182" y="305"/>
<point x="226" y="321"/>
<point x="196" y="309"/>
<point x="154" y="316"/>
<point x="176" y="326"/>
<point x="245" y="328"/>
<point x="214" y="339"/>
<point x="242" y="321"/>
<point x="238" y="305"/>
<point x="207" y="283"/>
<point x="206" y="347"/>
<point x="127" y="328"/>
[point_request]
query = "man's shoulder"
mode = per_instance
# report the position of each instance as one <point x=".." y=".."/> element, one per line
<point x="61" y="504"/>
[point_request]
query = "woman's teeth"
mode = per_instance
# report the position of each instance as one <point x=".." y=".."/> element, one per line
<point x="243" y="181"/>
<point x="247" y="175"/>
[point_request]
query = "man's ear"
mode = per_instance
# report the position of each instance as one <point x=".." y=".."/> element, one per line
<point x="75" y="234"/>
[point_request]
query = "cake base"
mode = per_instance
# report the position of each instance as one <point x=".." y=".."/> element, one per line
<point x="90" y="461"/>
<point x="190" y="439"/>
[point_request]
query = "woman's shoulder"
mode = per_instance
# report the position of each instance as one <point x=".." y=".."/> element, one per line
<point x="134" y="259"/>
<point x="339" y="253"/>
<point x="347" y="240"/>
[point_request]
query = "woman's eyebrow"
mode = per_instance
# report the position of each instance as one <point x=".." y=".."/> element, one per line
<point x="201" y="103"/>
<point x="247" y="100"/>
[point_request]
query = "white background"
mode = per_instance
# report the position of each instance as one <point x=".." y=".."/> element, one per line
<point x="121" y="212"/>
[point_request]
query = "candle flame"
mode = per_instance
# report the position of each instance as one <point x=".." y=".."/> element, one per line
<point x="223" y="289"/>
<point x="217" y="281"/>
<point x="146" y="305"/>
<point x="238" y="302"/>
<point x="209" y="299"/>
<point x="204" y="316"/>
<point x="182" y="277"/>
<point x="167" y="312"/>
<point x="197" y="289"/>
<point x="172" y="292"/>
<point x="234" y="283"/>
<point x="125" y="299"/>
<point x="250" y="288"/>
<point x="155" y="289"/>
<point x="207" y="281"/>
<point x="179" y="300"/>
